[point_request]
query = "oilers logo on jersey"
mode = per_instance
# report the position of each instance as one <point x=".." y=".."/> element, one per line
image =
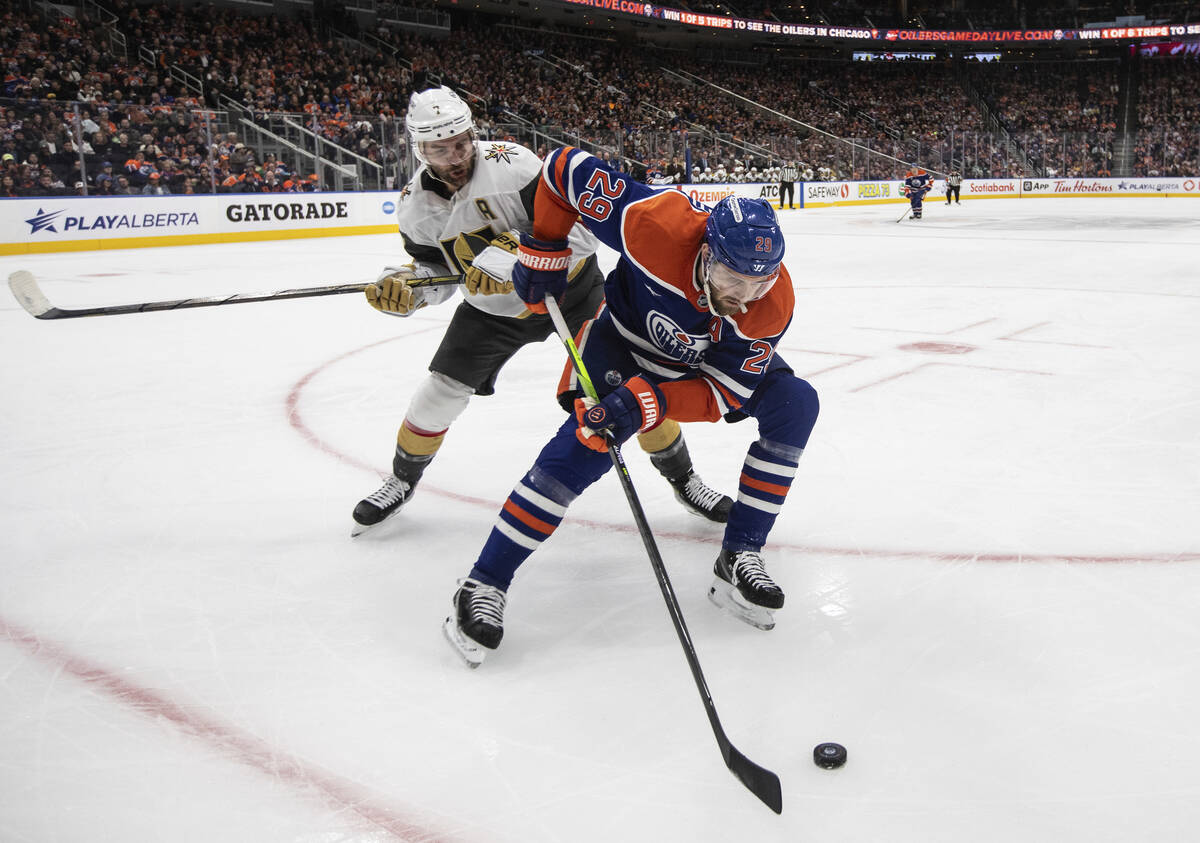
<point x="675" y="343"/>
<point x="652" y="298"/>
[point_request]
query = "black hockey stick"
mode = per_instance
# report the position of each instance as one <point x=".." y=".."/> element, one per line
<point x="758" y="780"/>
<point x="25" y="288"/>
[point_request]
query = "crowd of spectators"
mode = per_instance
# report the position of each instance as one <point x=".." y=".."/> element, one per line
<point x="77" y="119"/>
<point x="1167" y="139"/>
<point x="274" y="66"/>
<point x="1063" y="115"/>
<point x="142" y="131"/>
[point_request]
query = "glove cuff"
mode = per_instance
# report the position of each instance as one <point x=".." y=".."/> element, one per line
<point x="545" y="261"/>
<point x="543" y="255"/>
<point x="649" y="400"/>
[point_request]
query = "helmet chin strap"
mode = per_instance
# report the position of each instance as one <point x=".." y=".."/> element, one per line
<point x="705" y="263"/>
<point x="433" y="174"/>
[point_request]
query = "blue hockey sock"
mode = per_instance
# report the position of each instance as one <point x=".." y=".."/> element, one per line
<point x="532" y="512"/>
<point x="537" y="505"/>
<point x="766" y="478"/>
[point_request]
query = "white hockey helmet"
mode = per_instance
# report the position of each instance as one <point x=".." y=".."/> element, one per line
<point x="435" y="115"/>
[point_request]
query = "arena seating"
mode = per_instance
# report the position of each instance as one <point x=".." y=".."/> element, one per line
<point x="145" y="132"/>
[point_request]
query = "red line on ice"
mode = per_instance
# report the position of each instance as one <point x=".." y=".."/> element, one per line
<point x="231" y="743"/>
<point x="297" y="422"/>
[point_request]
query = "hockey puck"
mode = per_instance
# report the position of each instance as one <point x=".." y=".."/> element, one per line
<point x="830" y="756"/>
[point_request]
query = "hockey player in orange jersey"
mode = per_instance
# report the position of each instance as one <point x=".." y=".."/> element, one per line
<point x="694" y="312"/>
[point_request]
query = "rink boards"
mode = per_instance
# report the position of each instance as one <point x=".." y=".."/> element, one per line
<point x="829" y="194"/>
<point x="81" y="223"/>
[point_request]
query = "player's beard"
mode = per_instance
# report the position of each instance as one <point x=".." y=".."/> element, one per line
<point x="455" y="176"/>
<point x="720" y="305"/>
<point x="726" y="306"/>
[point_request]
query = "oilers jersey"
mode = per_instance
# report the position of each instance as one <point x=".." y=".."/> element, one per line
<point x="918" y="184"/>
<point x="654" y="298"/>
<point x="445" y="231"/>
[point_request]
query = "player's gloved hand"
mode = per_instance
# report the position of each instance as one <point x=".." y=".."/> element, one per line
<point x="490" y="272"/>
<point x="392" y="294"/>
<point x="541" y="270"/>
<point x="636" y="405"/>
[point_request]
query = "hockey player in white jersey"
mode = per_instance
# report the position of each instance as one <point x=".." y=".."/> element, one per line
<point x="461" y="213"/>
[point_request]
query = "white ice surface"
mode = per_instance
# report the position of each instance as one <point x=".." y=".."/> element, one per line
<point x="991" y="558"/>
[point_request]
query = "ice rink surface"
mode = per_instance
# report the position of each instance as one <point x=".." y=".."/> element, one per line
<point x="991" y="558"/>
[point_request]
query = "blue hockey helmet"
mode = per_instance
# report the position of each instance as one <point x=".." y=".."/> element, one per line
<point x="744" y="235"/>
<point x="742" y="255"/>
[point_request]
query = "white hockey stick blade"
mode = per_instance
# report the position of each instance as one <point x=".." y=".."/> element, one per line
<point x="26" y="291"/>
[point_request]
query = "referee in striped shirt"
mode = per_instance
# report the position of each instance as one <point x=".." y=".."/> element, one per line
<point x="788" y="174"/>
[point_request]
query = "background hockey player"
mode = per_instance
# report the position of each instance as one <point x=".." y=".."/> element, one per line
<point x="954" y="183"/>
<point x="460" y="213"/>
<point x="658" y="178"/>
<point x="694" y="310"/>
<point x="916" y="184"/>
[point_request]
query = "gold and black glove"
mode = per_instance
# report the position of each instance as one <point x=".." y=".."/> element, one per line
<point x="490" y="272"/>
<point x="392" y="293"/>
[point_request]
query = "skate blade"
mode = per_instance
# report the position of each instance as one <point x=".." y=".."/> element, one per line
<point x="357" y="529"/>
<point x="468" y="650"/>
<point x="724" y="596"/>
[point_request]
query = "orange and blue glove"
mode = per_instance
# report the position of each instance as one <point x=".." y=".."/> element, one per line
<point x="634" y="407"/>
<point x="541" y="271"/>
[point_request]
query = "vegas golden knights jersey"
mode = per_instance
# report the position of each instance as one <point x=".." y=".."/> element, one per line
<point x="447" y="230"/>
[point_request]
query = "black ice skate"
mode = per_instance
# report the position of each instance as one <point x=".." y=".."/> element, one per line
<point x="381" y="504"/>
<point x="743" y="588"/>
<point x="477" y="622"/>
<point x="698" y="499"/>
<point x="675" y="463"/>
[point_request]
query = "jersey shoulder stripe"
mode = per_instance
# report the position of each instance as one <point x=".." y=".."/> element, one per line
<point x="662" y="234"/>
<point x="555" y="174"/>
